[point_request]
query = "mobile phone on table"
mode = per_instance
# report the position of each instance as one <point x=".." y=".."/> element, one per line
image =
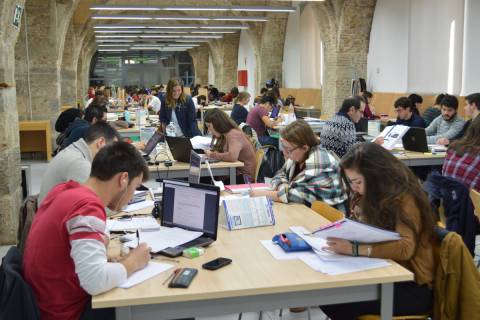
<point x="216" y="263"/>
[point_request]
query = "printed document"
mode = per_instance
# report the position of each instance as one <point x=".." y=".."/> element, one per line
<point x="151" y="270"/>
<point x="166" y="237"/>
<point x="392" y="135"/>
<point x="246" y="212"/>
<point x="132" y="224"/>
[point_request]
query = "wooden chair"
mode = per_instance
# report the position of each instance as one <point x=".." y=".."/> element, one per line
<point x="258" y="157"/>
<point x="326" y="211"/>
<point x="475" y="197"/>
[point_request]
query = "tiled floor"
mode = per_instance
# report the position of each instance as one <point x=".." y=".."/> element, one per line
<point x="38" y="169"/>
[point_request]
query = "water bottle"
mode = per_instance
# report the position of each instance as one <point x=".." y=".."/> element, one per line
<point x="126" y="114"/>
<point x="171" y="130"/>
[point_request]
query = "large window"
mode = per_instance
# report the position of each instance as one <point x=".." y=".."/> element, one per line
<point x="140" y="68"/>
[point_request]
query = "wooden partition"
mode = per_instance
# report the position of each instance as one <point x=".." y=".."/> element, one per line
<point x="304" y="97"/>
<point x="384" y="101"/>
<point x="35" y="136"/>
<point x="187" y="90"/>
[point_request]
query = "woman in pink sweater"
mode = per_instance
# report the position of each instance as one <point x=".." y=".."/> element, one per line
<point x="230" y="144"/>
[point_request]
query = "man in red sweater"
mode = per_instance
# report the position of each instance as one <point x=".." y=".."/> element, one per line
<point x="65" y="259"/>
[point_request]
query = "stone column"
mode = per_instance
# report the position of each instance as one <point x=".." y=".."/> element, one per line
<point x="200" y="63"/>
<point x="68" y="71"/>
<point x="345" y="29"/>
<point x="225" y="60"/>
<point x="10" y="172"/>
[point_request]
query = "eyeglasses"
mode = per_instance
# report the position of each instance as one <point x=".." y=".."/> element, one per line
<point x="289" y="151"/>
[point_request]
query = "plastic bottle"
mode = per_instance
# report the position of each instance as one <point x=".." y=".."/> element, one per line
<point x="126" y="114"/>
<point x="171" y="130"/>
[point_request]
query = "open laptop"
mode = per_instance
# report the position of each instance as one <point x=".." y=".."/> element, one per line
<point x="415" y="139"/>
<point x="151" y="144"/>
<point x="180" y="148"/>
<point x="190" y="206"/>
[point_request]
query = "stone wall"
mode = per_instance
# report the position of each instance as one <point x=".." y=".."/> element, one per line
<point x="10" y="174"/>
<point x="225" y="61"/>
<point x="200" y="63"/>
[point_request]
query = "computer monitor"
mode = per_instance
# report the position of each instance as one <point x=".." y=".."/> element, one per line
<point x="191" y="206"/>
<point x="195" y="168"/>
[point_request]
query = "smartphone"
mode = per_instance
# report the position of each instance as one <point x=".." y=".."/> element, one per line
<point x="216" y="263"/>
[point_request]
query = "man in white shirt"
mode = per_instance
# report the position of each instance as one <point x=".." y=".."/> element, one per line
<point x="154" y="103"/>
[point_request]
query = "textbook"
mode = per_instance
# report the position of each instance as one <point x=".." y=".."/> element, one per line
<point x="245" y="212"/>
<point x="240" y="188"/>
<point x="392" y="135"/>
<point x="355" y="231"/>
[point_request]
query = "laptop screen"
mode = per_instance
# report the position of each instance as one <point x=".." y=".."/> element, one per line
<point x="191" y="206"/>
<point x="275" y="112"/>
<point x="195" y="169"/>
<point x="152" y="142"/>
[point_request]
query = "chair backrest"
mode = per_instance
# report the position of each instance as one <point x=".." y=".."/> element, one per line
<point x="258" y="158"/>
<point x="326" y="211"/>
<point x="27" y="212"/>
<point x="475" y="196"/>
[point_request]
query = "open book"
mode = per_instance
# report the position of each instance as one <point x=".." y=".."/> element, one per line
<point x="356" y="231"/>
<point x="246" y="212"/>
<point x="392" y="135"/>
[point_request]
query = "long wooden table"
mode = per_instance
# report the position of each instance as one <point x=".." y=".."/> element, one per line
<point x="414" y="159"/>
<point x="36" y="136"/>
<point x="182" y="169"/>
<point x="254" y="281"/>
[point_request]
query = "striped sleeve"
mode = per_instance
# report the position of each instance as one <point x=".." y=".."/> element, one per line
<point x="87" y="223"/>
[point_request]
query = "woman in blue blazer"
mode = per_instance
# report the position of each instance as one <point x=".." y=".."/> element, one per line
<point x="177" y="107"/>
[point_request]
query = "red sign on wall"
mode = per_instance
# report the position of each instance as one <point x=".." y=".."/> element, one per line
<point x="242" y="76"/>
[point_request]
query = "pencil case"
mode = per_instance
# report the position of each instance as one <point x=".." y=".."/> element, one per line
<point x="291" y="242"/>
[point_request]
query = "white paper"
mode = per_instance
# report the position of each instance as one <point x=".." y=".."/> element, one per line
<point x="392" y="135"/>
<point x="132" y="224"/>
<point x="279" y="254"/>
<point x="150" y="271"/>
<point x="355" y="231"/>
<point x="166" y="237"/>
<point x="189" y="207"/>
<point x="199" y="142"/>
<point x="247" y="212"/>
<point x="347" y="265"/>
<point x="138" y="206"/>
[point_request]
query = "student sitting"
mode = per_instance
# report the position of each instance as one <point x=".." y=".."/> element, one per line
<point x="369" y="111"/>
<point x="178" y="108"/>
<point x="472" y="110"/>
<point x="310" y="173"/>
<point x="231" y="95"/>
<point x="462" y="161"/>
<point x="229" y="143"/>
<point x="258" y="119"/>
<point x="239" y="112"/>
<point x="386" y="194"/>
<point x="339" y="134"/>
<point x="65" y="260"/>
<point x="405" y="114"/>
<point x="75" y="161"/>
<point x="96" y="112"/>
<point x="446" y="126"/>
<point x="434" y="111"/>
<point x="416" y="101"/>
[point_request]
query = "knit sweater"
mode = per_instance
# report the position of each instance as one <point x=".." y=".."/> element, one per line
<point x="338" y="134"/>
<point x="440" y="128"/>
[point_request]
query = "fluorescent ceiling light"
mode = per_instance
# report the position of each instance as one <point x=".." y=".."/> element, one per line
<point x="179" y="18"/>
<point x="184" y="45"/>
<point x="113" y="45"/>
<point x="172" y="26"/>
<point x="191" y="40"/>
<point x="213" y="32"/>
<point x="170" y="31"/>
<point x="112" y="40"/>
<point x="194" y="8"/>
<point x="114" y="36"/>
<point x="173" y="37"/>
<point x="112" y="50"/>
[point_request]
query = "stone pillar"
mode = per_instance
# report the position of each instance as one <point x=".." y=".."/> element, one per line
<point x="200" y="63"/>
<point x="225" y="60"/>
<point x="10" y="172"/>
<point x="68" y="71"/>
<point x="345" y="29"/>
<point x="45" y="30"/>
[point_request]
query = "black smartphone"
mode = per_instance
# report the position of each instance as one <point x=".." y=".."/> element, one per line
<point x="216" y="263"/>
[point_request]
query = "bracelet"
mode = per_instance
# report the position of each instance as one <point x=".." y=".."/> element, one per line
<point x="355" y="248"/>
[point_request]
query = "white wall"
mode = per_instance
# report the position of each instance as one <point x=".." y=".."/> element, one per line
<point x="246" y="61"/>
<point x="211" y="71"/>
<point x="471" y="48"/>
<point x="302" y="54"/>
<point x="410" y="46"/>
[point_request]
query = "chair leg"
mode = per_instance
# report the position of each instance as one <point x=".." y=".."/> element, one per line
<point x="309" y="314"/>
<point x="260" y="315"/>
<point x="280" y="313"/>
<point x="240" y="316"/>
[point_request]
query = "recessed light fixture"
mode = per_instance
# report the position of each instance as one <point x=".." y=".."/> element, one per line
<point x="194" y="8"/>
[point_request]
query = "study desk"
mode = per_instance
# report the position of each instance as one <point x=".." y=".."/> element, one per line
<point x="254" y="281"/>
<point x="224" y="107"/>
<point x="315" y="125"/>
<point x="415" y="159"/>
<point x="181" y="170"/>
<point x="35" y="136"/>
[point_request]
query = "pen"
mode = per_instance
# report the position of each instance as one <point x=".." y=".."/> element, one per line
<point x="171" y="276"/>
<point x="138" y="238"/>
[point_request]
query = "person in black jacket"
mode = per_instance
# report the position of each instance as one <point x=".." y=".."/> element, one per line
<point x="406" y="115"/>
<point x="239" y="112"/>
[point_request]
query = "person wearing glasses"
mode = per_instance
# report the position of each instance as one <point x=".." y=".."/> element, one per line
<point x="386" y="194"/>
<point x="310" y="173"/>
